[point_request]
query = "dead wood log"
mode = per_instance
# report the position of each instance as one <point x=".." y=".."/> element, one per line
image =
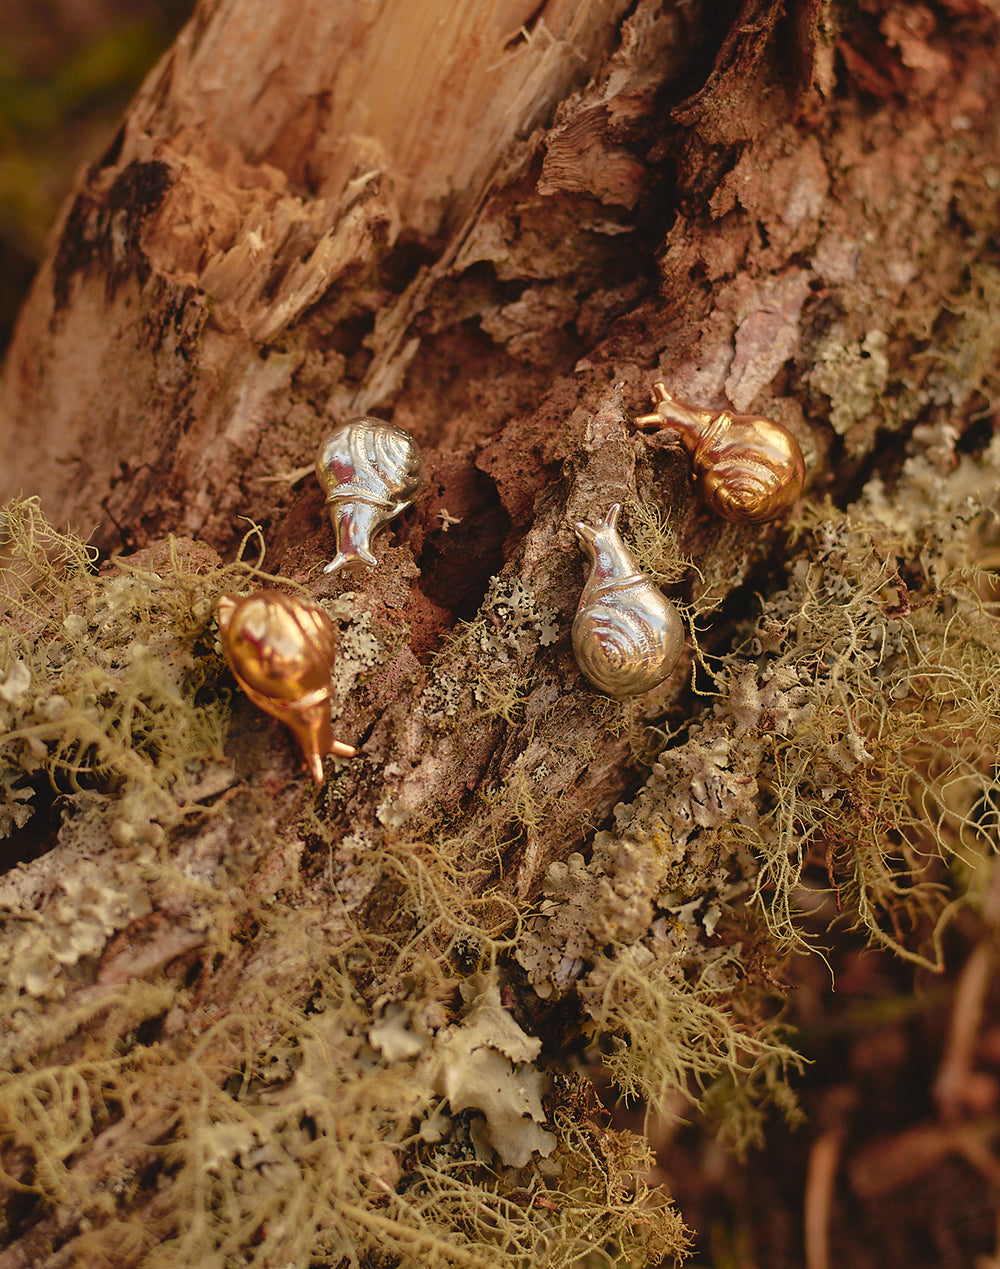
<point x="497" y="225"/>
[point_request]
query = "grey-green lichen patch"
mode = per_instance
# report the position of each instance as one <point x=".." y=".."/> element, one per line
<point x="485" y="1064"/>
<point x="85" y="902"/>
<point x="853" y="374"/>
<point x="663" y="854"/>
<point x="361" y="648"/>
<point x="846" y="762"/>
<point x="501" y="644"/>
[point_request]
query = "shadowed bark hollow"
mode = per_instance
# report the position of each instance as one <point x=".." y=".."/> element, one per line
<point x="497" y="225"/>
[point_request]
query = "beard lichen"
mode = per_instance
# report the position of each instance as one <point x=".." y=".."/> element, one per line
<point x="871" y="684"/>
<point x="107" y="686"/>
<point x="843" y="771"/>
<point x="337" y="1067"/>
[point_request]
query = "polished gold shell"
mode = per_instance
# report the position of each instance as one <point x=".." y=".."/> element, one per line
<point x="280" y="649"/>
<point x="748" y="469"/>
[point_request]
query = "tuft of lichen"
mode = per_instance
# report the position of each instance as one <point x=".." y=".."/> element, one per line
<point x="362" y="645"/>
<point x="871" y="685"/>
<point x="106" y="689"/>
<point x="845" y="763"/>
<point x="498" y="645"/>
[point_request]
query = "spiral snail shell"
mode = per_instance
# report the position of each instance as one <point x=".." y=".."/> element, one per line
<point x="370" y="471"/>
<point x="280" y="649"/>
<point x="626" y="636"/>
<point x="748" y="469"/>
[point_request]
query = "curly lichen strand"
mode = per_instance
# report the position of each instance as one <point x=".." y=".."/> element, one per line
<point x="825" y="742"/>
<point x="105" y="672"/>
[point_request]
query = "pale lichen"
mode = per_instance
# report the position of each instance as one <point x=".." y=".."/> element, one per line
<point x="499" y="645"/>
<point x="853" y="374"/>
<point x="485" y="1064"/>
<point x="849" y="744"/>
<point x="105" y="681"/>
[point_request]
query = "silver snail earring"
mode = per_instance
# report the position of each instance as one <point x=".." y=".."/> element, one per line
<point x="370" y="471"/>
<point x="626" y="636"/>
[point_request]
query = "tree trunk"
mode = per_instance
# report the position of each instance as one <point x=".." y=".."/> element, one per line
<point x="498" y="225"/>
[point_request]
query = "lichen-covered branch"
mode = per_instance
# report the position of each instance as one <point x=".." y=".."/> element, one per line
<point x="252" y="1022"/>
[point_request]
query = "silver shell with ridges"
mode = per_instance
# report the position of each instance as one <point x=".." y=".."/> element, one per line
<point x="370" y="471"/>
<point x="627" y="637"/>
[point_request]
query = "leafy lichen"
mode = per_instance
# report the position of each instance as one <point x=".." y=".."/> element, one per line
<point x="337" y="1069"/>
<point x="847" y="750"/>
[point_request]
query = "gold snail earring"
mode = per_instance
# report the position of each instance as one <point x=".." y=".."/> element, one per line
<point x="748" y="469"/>
<point x="370" y="471"/>
<point x="626" y="636"/>
<point x="280" y="649"/>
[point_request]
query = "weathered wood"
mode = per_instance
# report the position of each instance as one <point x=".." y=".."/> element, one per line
<point x="500" y="234"/>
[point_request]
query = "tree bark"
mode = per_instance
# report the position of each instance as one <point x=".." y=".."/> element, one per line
<point x="496" y="224"/>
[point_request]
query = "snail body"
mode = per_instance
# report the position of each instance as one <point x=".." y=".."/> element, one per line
<point x="749" y="469"/>
<point x="280" y="649"/>
<point x="370" y="471"/>
<point x="627" y="637"/>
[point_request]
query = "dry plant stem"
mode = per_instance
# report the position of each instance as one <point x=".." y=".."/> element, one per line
<point x="887" y="1163"/>
<point x="982" y="1159"/>
<point x="821" y="1175"/>
<point x="958" y="1060"/>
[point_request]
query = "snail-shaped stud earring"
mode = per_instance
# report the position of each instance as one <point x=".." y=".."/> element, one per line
<point x="281" y="648"/>
<point x="626" y="636"/>
<point x="748" y="469"/>
<point x="370" y="471"/>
